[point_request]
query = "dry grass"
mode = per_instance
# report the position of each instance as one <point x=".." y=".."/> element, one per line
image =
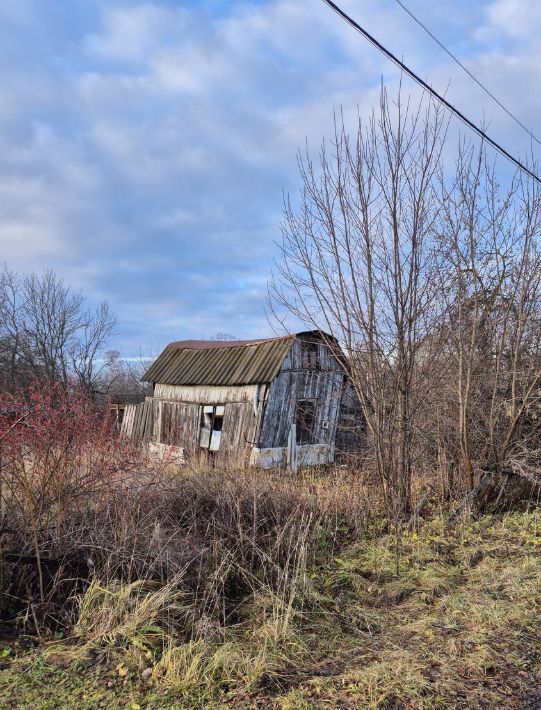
<point x="214" y="588"/>
<point x="429" y="619"/>
<point x="141" y="615"/>
<point x="455" y="626"/>
<point x="220" y="532"/>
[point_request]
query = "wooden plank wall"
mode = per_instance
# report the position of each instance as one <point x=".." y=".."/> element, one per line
<point x="143" y="422"/>
<point x="127" y="423"/>
<point x="324" y="385"/>
<point x="138" y="421"/>
<point x="205" y="394"/>
<point x="239" y="428"/>
<point x="180" y="424"/>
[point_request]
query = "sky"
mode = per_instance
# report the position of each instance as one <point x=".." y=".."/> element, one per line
<point x="145" y="148"/>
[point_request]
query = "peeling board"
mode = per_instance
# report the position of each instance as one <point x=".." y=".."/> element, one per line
<point x="307" y="455"/>
<point x="215" y="441"/>
<point x="206" y="394"/>
<point x="293" y="383"/>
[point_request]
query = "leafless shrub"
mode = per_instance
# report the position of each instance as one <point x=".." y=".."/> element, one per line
<point x="81" y="505"/>
<point x="427" y="273"/>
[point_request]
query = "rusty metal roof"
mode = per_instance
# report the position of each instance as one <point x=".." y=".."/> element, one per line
<point x="205" y="362"/>
<point x="219" y="344"/>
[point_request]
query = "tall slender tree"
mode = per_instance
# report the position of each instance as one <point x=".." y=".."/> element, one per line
<point x="358" y="262"/>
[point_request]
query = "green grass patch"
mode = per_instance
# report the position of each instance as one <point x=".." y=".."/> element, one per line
<point x="430" y="618"/>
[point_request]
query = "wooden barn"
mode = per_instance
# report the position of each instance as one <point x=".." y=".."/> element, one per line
<point x="282" y="401"/>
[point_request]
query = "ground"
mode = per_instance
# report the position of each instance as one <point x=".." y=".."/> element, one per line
<point x="426" y="618"/>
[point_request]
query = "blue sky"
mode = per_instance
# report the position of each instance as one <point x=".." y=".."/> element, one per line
<point x="144" y="147"/>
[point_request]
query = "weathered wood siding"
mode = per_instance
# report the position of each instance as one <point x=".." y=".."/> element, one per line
<point x="179" y="426"/>
<point x="239" y="428"/>
<point x="138" y="420"/>
<point x="295" y="382"/>
<point x="126" y="428"/>
<point x="206" y="394"/>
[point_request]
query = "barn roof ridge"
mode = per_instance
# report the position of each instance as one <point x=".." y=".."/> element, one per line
<point x="222" y="344"/>
<point x="226" y="362"/>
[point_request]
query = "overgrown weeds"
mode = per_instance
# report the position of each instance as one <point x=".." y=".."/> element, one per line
<point x="199" y="588"/>
<point x="455" y="625"/>
<point x="78" y="505"/>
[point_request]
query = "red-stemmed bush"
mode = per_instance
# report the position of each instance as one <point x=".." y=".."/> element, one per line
<point x="78" y="502"/>
<point x="58" y="460"/>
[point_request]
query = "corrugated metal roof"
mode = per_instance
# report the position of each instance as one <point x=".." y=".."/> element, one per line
<point x="203" y="362"/>
<point x="219" y="344"/>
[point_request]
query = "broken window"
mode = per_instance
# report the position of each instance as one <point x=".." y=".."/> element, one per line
<point x="309" y="355"/>
<point x="305" y="419"/>
<point x="212" y="419"/>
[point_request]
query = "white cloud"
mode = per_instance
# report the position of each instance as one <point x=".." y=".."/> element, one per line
<point x="130" y="33"/>
<point x="520" y="18"/>
<point x="143" y="155"/>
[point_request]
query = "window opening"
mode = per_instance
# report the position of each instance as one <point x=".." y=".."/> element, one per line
<point x="305" y="419"/>
<point x="309" y="355"/>
<point x="218" y="422"/>
<point x="212" y="419"/>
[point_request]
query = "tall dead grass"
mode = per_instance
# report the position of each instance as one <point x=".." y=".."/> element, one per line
<point x="78" y="505"/>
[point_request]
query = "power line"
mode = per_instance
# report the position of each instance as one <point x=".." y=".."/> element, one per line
<point x="468" y="72"/>
<point x="430" y="90"/>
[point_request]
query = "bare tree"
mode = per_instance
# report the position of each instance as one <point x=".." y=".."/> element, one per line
<point x="47" y="331"/>
<point x="358" y="262"/>
<point x="492" y="285"/>
<point x="430" y="281"/>
<point x="120" y="380"/>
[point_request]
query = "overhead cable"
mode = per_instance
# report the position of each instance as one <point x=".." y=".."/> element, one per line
<point x="432" y="91"/>
<point x="468" y="72"/>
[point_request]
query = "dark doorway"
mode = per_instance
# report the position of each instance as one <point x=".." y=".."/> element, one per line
<point x="305" y="418"/>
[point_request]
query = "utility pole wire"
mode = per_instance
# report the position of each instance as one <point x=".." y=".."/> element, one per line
<point x="431" y="91"/>
<point x="468" y="72"/>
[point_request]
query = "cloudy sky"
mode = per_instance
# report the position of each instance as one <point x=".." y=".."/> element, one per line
<point x="144" y="147"/>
